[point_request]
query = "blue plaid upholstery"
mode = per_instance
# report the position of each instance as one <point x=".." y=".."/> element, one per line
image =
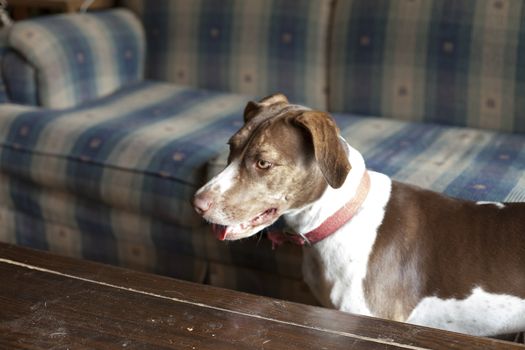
<point x="457" y="62"/>
<point x="20" y="79"/>
<point x="80" y="57"/>
<point x="252" y="47"/>
<point x="141" y="149"/>
<point x="460" y="162"/>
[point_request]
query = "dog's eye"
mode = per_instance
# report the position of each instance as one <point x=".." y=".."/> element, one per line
<point x="263" y="164"/>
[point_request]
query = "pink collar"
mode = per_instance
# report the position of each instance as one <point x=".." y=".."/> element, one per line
<point x="330" y="225"/>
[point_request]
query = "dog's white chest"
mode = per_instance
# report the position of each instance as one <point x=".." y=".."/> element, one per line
<point x="336" y="279"/>
<point x="335" y="268"/>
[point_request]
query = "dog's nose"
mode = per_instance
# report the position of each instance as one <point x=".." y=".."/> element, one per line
<point x="202" y="203"/>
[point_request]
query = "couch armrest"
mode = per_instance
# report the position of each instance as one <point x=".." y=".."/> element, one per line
<point x="80" y="57"/>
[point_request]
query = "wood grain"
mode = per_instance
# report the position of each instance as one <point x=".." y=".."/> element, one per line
<point x="47" y="301"/>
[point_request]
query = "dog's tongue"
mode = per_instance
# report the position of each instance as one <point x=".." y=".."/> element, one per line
<point x="219" y="231"/>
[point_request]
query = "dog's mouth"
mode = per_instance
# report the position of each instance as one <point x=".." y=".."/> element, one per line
<point x="245" y="229"/>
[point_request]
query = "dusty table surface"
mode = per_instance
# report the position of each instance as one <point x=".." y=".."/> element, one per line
<point x="48" y="301"/>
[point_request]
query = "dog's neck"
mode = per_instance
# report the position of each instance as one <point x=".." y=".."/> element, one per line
<point x="314" y="214"/>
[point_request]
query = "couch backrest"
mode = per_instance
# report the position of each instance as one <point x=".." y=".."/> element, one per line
<point x="458" y="62"/>
<point x="256" y="47"/>
<point x="76" y="57"/>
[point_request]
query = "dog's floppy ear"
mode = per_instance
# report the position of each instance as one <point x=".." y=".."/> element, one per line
<point x="328" y="150"/>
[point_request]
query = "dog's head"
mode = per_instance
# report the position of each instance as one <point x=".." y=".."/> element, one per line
<point x="283" y="158"/>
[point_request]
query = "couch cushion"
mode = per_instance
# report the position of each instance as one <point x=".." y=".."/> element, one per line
<point x="459" y="62"/>
<point x="79" y="57"/>
<point x="255" y="47"/>
<point x="466" y="163"/>
<point x="66" y="224"/>
<point x="142" y="149"/>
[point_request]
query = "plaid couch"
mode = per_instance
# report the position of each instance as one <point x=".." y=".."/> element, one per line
<point x="110" y="121"/>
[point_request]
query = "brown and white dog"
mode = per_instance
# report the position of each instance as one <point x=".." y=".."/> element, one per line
<point x="374" y="246"/>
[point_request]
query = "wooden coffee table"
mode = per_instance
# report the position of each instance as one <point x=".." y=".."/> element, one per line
<point x="48" y="301"/>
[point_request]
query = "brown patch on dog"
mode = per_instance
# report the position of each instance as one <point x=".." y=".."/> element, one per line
<point x="464" y="245"/>
<point x="329" y="152"/>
